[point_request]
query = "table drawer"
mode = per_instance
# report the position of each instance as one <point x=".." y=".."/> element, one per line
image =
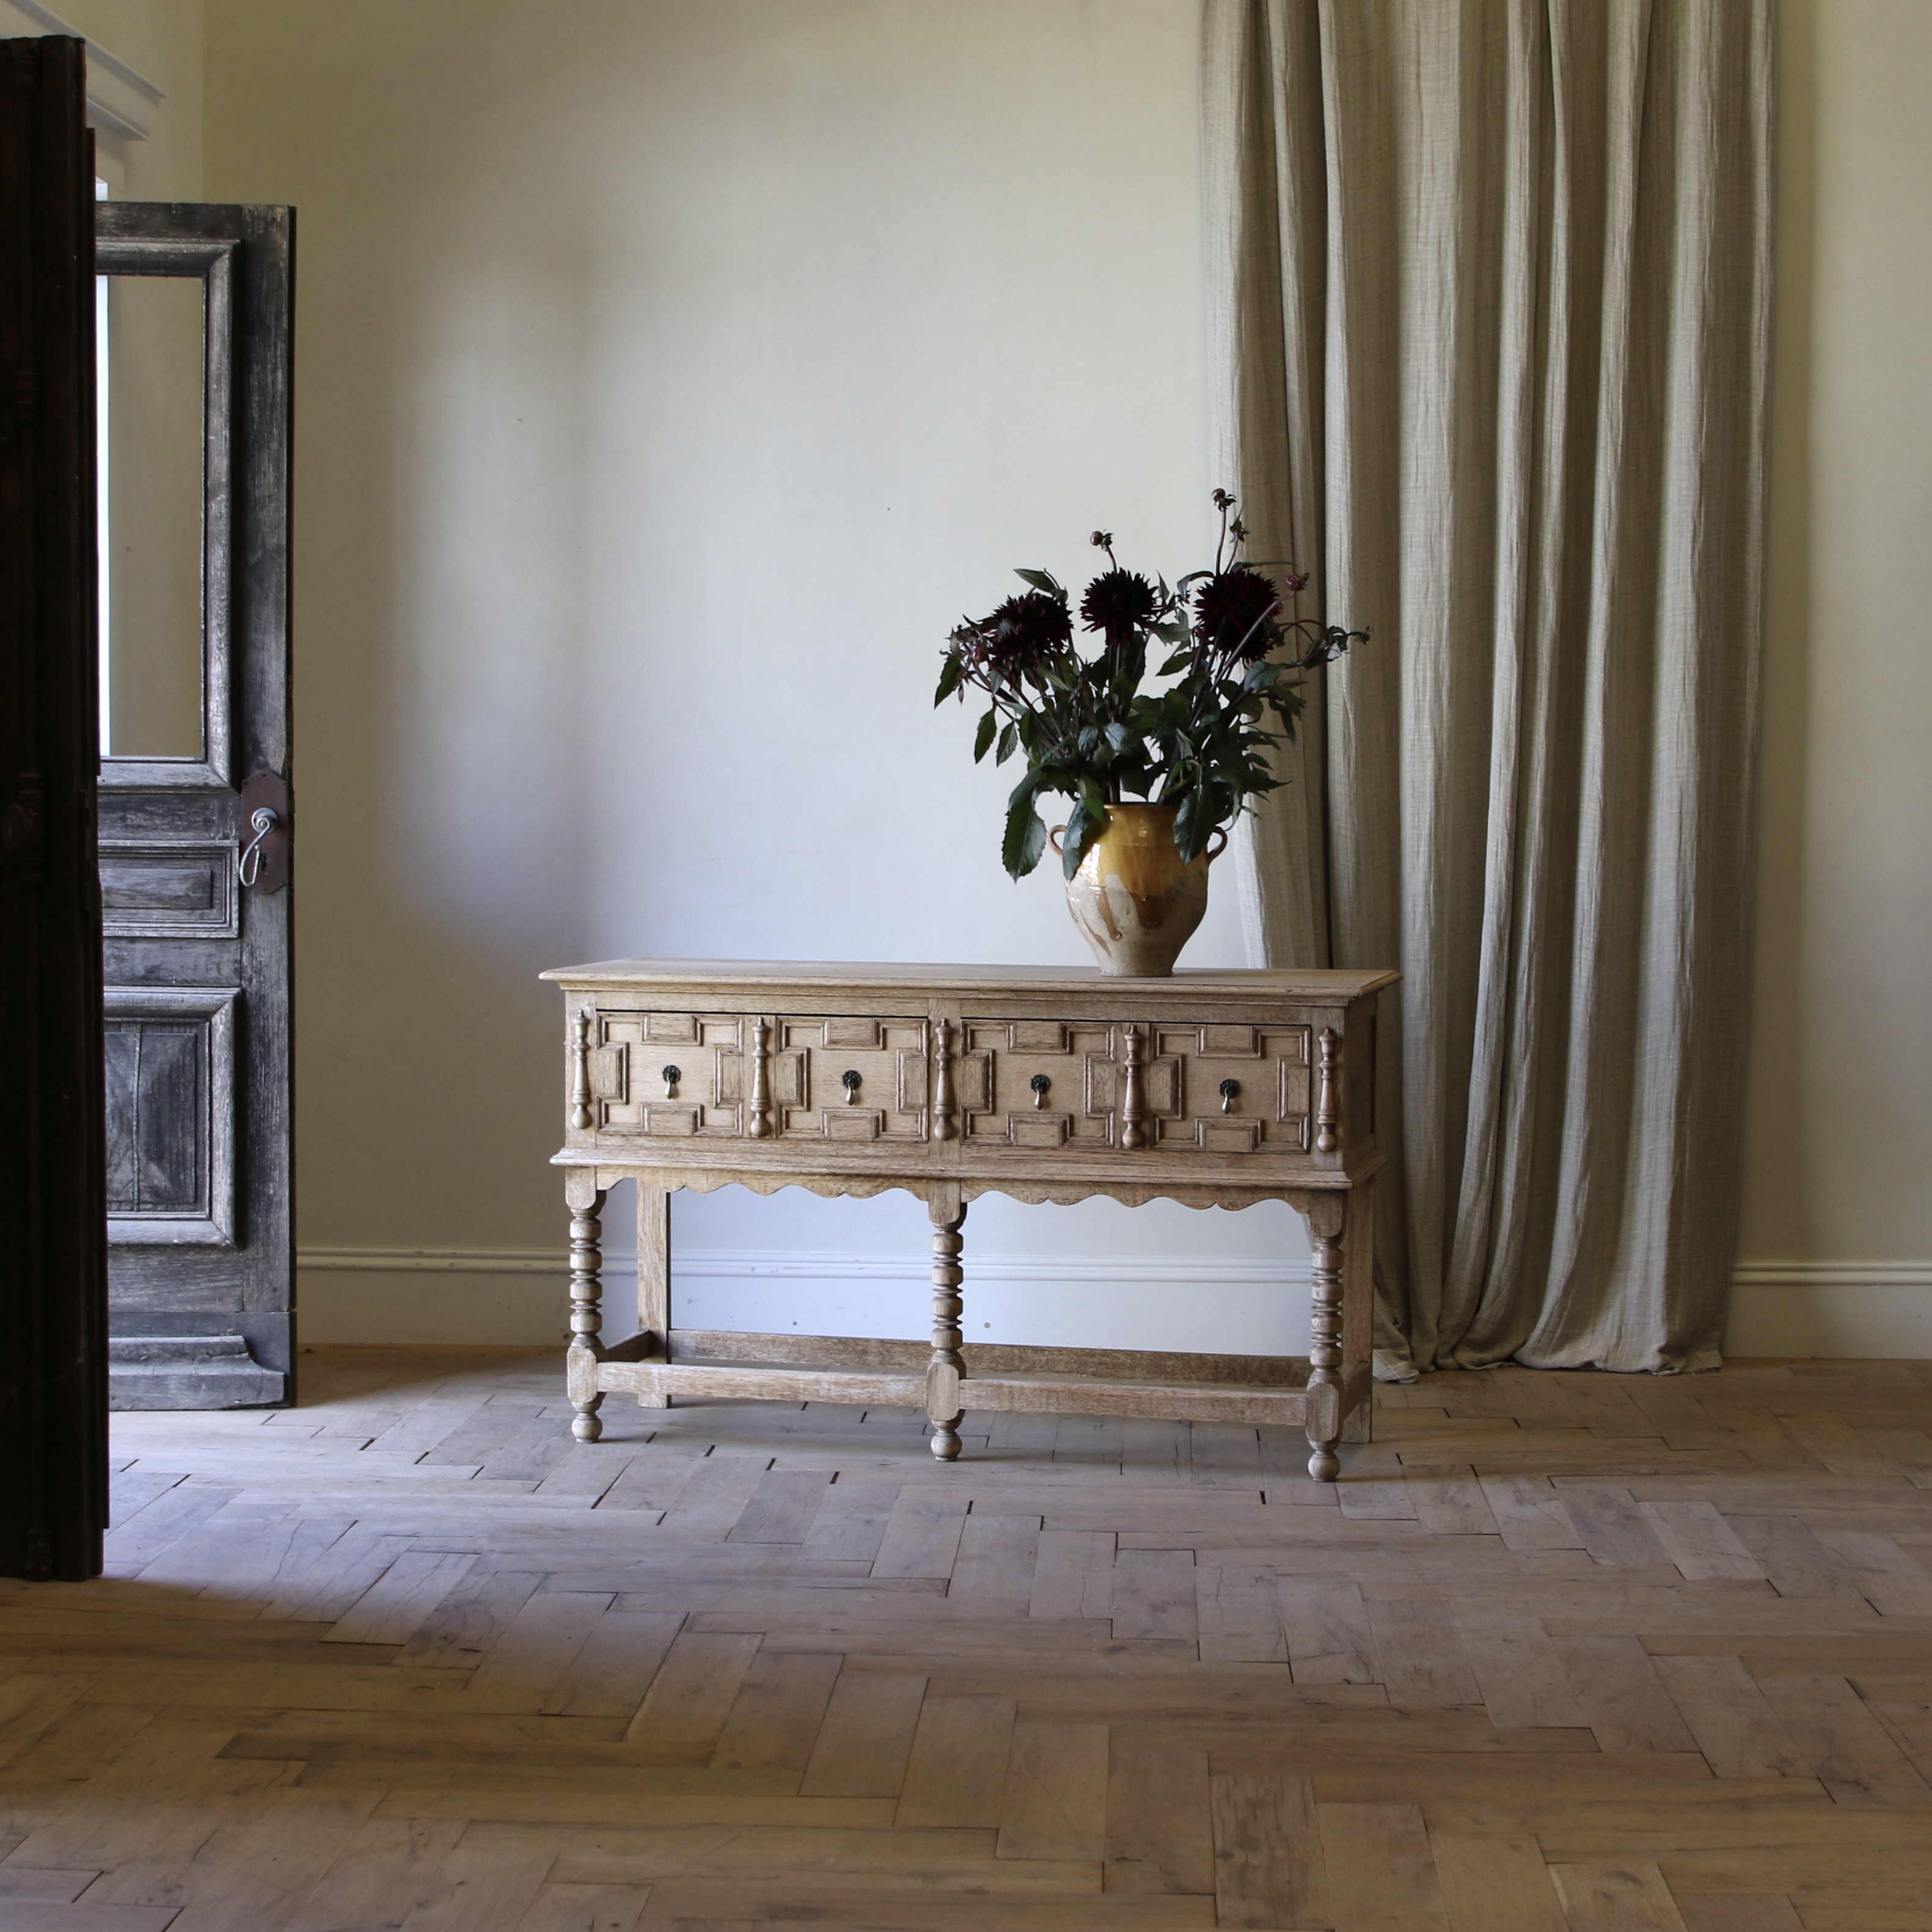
<point x="681" y="1076"/>
<point x="1219" y="1089"/>
<point x="849" y="1078"/>
<point x="746" y="1076"/>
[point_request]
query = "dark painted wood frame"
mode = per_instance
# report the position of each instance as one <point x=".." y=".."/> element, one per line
<point x="53" y="1383"/>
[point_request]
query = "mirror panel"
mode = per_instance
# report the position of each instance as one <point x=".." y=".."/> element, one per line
<point x="151" y="413"/>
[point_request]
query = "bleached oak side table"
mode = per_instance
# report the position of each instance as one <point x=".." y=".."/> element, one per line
<point x="1214" y="1089"/>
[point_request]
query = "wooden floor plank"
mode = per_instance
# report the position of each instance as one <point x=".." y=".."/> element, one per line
<point x="1616" y="1896"/>
<point x="994" y="1569"/>
<point x="957" y="1773"/>
<point x="1055" y="1804"/>
<point x="1154" y="1595"/>
<point x="774" y="1721"/>
<point x="1327" y="1627"/>
<point x="1160" y="1834"/>
<point x="1421" y="1653"/>
<point x="1238" y="1612"/>
<point x="1855" y="1757"/>
<point x="1270" y="1860"/>
<point x="1073" y="1574"/>
<point x="690" y="1697"/>
<point x="1738" y="1732"/>
<point x="1382" y="1873"/>
<point x="1496" y="1883"/>
<point x="866" y="1738"/>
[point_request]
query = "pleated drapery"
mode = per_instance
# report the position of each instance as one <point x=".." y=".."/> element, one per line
<point x="1490" y="284"/>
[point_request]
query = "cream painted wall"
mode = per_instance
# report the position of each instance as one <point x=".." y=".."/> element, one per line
<point x="1837" y="1221"/>
<point x="670" y="378"/>
<point x="632" y="334"/>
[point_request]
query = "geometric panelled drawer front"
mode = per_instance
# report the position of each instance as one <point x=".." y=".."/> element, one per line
<point x="676" y="1074"/>
<point x="183" y="889"/>
<point x="170" y="1064"/>
<point x="1219" y="1089"/>
<point x="849" y="1079"/>
<point x="696" y="1076"/>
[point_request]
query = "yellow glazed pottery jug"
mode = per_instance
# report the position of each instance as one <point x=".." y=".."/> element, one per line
<point x="1135" y="901"/>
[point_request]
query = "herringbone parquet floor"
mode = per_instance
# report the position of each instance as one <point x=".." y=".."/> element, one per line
<point x="1561" y="1653"/>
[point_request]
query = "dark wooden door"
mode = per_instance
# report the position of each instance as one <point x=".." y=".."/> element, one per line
<point x="53" y="1414"/>
<point x="195" y="810"/>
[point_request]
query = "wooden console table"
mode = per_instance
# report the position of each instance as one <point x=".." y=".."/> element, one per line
<point x="1214" y="1089"/>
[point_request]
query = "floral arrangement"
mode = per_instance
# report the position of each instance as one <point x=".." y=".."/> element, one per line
<point x="1089" y="732"/>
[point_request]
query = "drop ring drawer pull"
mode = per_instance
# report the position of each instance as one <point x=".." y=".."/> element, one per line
<point x="670" y="1076"/>
<point x="1042" y="1086"/>
<point x="849" y="1080"/>
<point x="1231" y="1091"/>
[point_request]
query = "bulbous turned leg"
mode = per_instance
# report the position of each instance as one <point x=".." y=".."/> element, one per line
<point x="947" y="1369"/>
<point x="587" y="1291"/>
<point x="1324" y="1349"/>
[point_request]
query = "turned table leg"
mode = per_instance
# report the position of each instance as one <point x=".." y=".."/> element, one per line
<point x="1326" y="1214"/>
<point x="947" y="1369"/>
<point x="585" y="1200"/>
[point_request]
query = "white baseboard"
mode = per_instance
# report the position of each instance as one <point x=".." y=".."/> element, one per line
<point x="1859" y="1309"/>
<point x="1856" y="1310"/>
<point x="1146" y="1301"/>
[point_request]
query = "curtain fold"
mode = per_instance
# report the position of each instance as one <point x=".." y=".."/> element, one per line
<point x="1490" y="285"/>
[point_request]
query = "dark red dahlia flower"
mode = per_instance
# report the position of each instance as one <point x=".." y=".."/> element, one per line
<point x="1023" y="630"/>
<point x="1235" y="613"/>
<point x="1119" y="602"/>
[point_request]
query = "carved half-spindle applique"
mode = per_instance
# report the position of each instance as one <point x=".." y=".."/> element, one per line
<point x="1133" y="1091"/>
<point x="579" y="1070"/>
<point x="1328" y="1093"/>
<point x="945" y="1121"/>
<point x="759" y="1127"/>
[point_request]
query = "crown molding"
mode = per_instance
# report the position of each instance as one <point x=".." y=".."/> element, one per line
<point x="118" y="99"/>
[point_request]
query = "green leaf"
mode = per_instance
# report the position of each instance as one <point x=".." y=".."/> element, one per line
<point x="1192" y="825"/>
<point x="1025" y="839"/>
<point x="1008" y="738"/>
<point x="1041" y="581"/>
<point x="950" y="672"/>
<point x="1081" y="831"/>
<point x="983" y="738"/>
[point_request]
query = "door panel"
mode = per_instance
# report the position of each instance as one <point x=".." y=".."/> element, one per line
<point x="197" y="946"/>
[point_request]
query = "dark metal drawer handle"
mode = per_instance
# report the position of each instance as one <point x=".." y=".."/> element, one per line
<point x="670" y="1076"/>
<point x="1231" y="1092"/>
<point x="1042" y="1086"/>
<point x="849" y="1080"/>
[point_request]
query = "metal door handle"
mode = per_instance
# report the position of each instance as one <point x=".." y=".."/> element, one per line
<point x="248" y="866"/>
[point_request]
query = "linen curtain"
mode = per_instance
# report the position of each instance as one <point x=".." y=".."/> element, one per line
<point x="1490" y="289"/>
